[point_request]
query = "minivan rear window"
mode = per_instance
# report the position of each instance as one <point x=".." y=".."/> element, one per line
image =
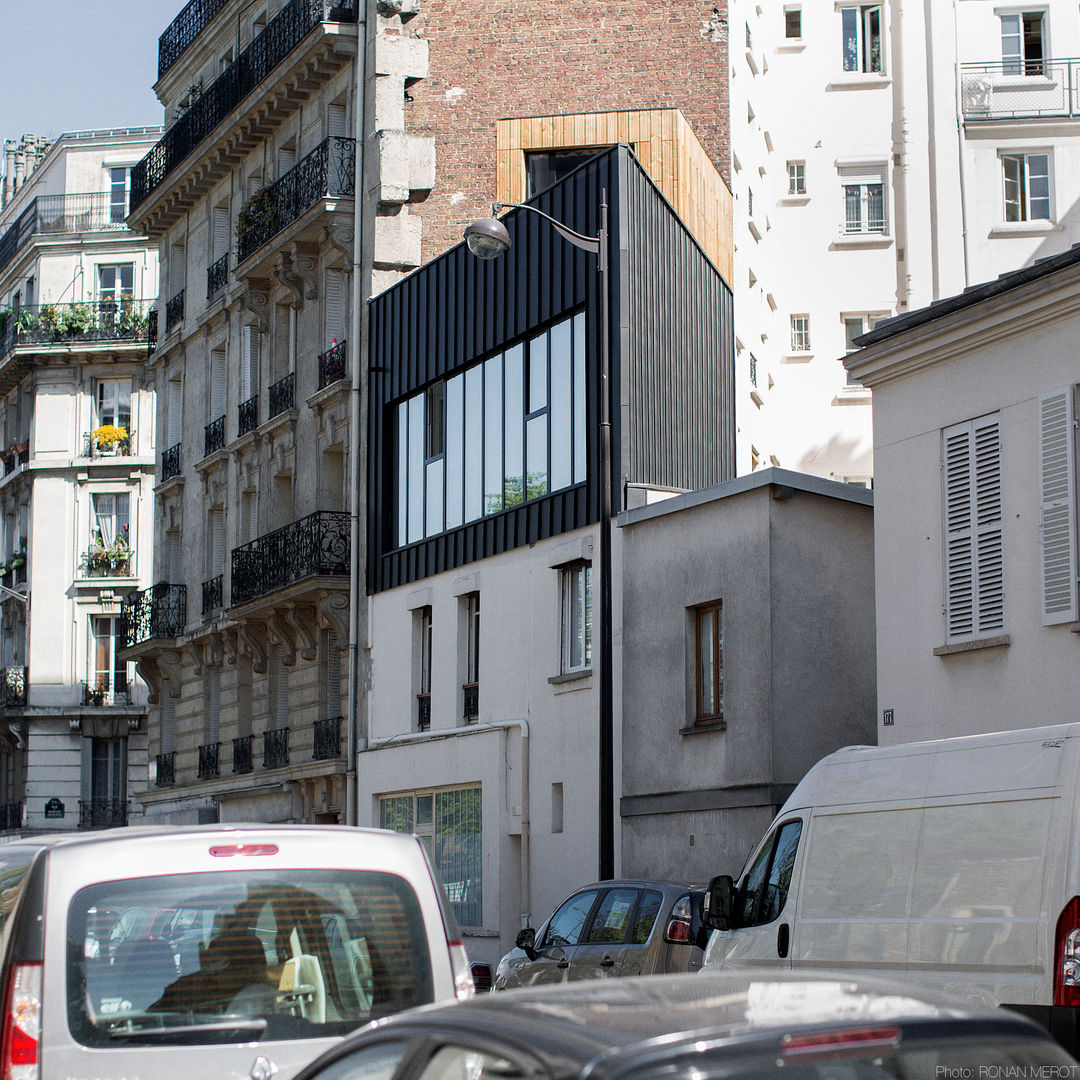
<point x="242" y="956"/>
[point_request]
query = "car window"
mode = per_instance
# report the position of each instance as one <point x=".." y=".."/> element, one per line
<point x="566" y="925"/>
<point x="612" y="918"/>
<point x="466" y="1063"/>
<point x="286" y="954"/>
<point x="14" y="863"/>
<point x="765" y="888"/>
<point x="648" y="909"/>
<point x="376" y="1062"/>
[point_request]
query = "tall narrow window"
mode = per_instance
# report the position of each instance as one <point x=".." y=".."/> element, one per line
<point x="1027" y="186"/>
<point x="709" y="663"/>
<point x="174" y="420"/>
<point x="118" y="195"/>
<point x="112" y="402"/>
<point x="1022" y="45"/>
<point x="861" y="29"/>
<point x="800" y="333"/>
<point x="108" y="675"/>
<point x="109" y="534"/>
<point x="471" y="686"/>
<point x="796" y="172"/>
<point x="423" y="668"/>
<point x="576" y="586"/>
<point x="218" y="383"/>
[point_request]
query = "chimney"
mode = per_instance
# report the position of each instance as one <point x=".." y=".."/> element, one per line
<point x="9" y="172"/>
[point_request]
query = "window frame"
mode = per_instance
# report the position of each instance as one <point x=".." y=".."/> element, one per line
<point x="796" y="174"/>
<point x="1023" y="180"/>
<point x="1016" y="61"/>
<point x="800" y="332"/>
<point x="575" y="618"/>
<point x="864" y="178"/>
<point x="113" y="678"/>
<point x="715" y="609"/>
<point x="858" y="54"/>
<point x="788" y="13"/>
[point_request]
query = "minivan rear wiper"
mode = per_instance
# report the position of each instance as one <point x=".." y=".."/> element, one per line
<point x="159" y="1025"/>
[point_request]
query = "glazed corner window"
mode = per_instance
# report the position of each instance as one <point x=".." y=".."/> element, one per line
<point x="709" y="662"/>
<point x="793" y="24"/>
<point x="800" y="333"/>
<point x="796" y="177"/>
<point x="861" y="30"/>
<point x="1027" y="186"/>
<point x="576" y="636"/>
<point x="1022" y="43"/>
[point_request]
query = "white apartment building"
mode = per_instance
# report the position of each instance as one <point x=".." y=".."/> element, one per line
<point x="884" y="155"/>
<point x="76" y="494"/>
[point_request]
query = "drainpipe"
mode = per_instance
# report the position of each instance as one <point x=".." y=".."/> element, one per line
<point x="357" y="355"/>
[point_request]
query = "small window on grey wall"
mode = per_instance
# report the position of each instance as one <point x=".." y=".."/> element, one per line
<point x="793" y="23"/>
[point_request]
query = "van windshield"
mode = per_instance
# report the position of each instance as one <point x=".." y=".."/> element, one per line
<point x="242" y="955"/>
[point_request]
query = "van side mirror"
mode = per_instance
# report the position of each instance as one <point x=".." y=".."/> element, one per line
<point x="526" y="941"/>
<point x="719" y="902"/>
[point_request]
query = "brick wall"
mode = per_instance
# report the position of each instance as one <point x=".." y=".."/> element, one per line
<point x="493" y="59"/>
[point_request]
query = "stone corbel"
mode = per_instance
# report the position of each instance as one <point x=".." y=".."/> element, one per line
<point x="279" y="635"/>
<point x="147" y="669"/>
<point x="340" y="238"/>
<point x="334" y="612"/>
<point x="309" y="647"/>
<point x="257" y="301"/>
<point x="283" y="271"/>
<point x="229" y="647"/>
<point x="249" y="644"/>
<point x="305" y="264"/>
<point x="169" y="662"/>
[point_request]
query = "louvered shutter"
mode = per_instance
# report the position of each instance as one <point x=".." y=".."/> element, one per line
<point x="213" y="704"/>
<point x="175" y="418"/>
<point x="249" y="366"/>
<point x="1057" y="506"/>
<point x="217" y="541"/>
<point x="217" y="384"/>
<point x="335" y="125"/>
<point x="333" y="675"/>
<point x="221" y="231"/>
<point x="177" y="269"/>
<point x="335" y="307"/>
<point x="989" y="565"/>
<point x="168" y="721"/>
<point x="959" y="538"/>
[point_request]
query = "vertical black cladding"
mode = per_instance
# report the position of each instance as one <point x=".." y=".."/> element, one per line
<point x="671" y="356"/>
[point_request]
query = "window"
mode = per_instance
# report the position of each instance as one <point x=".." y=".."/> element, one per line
<point x="861" y="29"/>
<point x="974" y="573"/>
<point x="763" y="893"/>
<point x="471" y="686"/>
<point x="796" y="177"/>
<point x="449" y="823"/>
<point x="546" y="167"/>
<point x="793" y="23"/>
<point x="709" y="663"/>
<point x="112" y="402"/>
<point x="864" y="202"/>
<point x="422" y="619"/>
<point x="110" y="522"/>
<point x="108" y="674"/>
<point x="576" y="582"/>
<point x="116" y="282"/>
<point x="800" y="333"/>
<point x="1027" y="186"/>
<point x="118" y="195"/>
<point x="1022" y="43"/>
<point x="108" y="765"/>
<point x="567" y="925"/>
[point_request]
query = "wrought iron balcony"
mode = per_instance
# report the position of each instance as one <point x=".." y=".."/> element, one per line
<point x="102" y="813"/>
<point x="152" y="330"/>
<point x="283" y="34"/>
<point x="71" y="324"/>
<point x="241" y="754"/>
<point x="157" y="612"/>
<point x="328" y="172"/>
<point x="471" y="711"/>
<point x="249" y="416"/>
<point x="423" y="711"/>
<point x="217" y="276"/>
<point x="209" y="765"/>
<point x="332" y="364"/>
<point x="170" y="462"/>
<point x="315" y="545"/>
<point x="10" y="815"/>
<point x="183" y="30"/>
<point x="57" y="214"/>
<point x="276" y="748"/>
<point x="1020" y="89"/>
<point x="112" y="561"/>
<point x="174" y="312"/>
<point x="99" y="693"/>
<point x="211" y="595"/>
<point x="13" y="682"/>
<point x="282" y="395"/>
<point x="166" y="769"/>
<point x="326" y="739"/>
<point x="214" y="436"/>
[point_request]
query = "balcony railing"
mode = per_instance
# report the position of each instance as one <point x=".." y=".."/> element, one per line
<point x="183" y="30"/>
<point x="174" y="312"/>
<point x="328" y="172"/>
<point x="95" y="446"/>
<point x="157" y="612"/>
<point x="10" y="815"/>
<point x="471" y="711"/>
<point x="152" y="329"/>
<point x="69" y="324"/>
<point x="217" y="276"/>
<point x="248" y="419"/>
<point x="13" y="682"/>
<point x="326" y="739"/>
<point x="1020" y="90"/>
<point x="170" y="462"/>
<point x="283" y="34"/>
<point x="53" y="214"/>
<point x="282" y="395"/>
<point x="211" y="595"/>
<point x="114" y="561"/>
<point x="214" y="436"/>
<point x="423" y="711"/>
<point x="276" y="748"/>
<point x="102" y="813"/>
<point x="99" y="693"/>
<point x="241" y="754"/>
<point x="209" y="765"/>
<point x="332" y="364"/>
<point x="166" y="769"/>
<point x="315" y="545"/>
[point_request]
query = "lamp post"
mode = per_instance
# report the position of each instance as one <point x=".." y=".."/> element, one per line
<point x="487" y="239"/>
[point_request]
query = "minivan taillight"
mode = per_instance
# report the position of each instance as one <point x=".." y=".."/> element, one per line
<point x="464" y="987"/>
<point x="21" y="1024"/>
<point x="678" y="927"/>
<point x="1067" y="955"/>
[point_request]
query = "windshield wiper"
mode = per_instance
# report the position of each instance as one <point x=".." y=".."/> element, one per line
<point x="158" y="1024"/>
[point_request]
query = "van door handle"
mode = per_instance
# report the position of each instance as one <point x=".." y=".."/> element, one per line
<point x="607" y="962"/>
<point x="783" y="940"/>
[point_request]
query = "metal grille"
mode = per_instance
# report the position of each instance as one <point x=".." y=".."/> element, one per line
<point x="241" y="754"/>
<point x="999" y="91"/>
<point x="214" y="436"/>
<point x="170" y="462"/>
<point x="101" y="813"/>
<point x="282" y="395"/>
<point x="327" y="739"/>
<point x="157" y="612"/>
<point x="174" y="312"/>
<point x="211" y="594"/>
<point x="332" y="365"/>
<point x="97" y="695"/>
<point x="13" y="687"/>
<point x="471" y="712"/>
<point x="423" y="711"/>
<point x="183" y="30"/>
<point x="101" y="320"/>
<point x="166" y="769"/>
<point x="249" y="416"/>
<point x="276" y="748"/>
<point x="208" y="760"/>
<point x="217" y="275"/>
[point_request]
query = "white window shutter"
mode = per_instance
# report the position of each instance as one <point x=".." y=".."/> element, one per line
<point x="989" y="565"/>
<point x="221" y="231"/>
<point x="335" y="307"/>
<point x="336" y="120"/>
<point x="217" y="541"/>
<point x="959" y="537"/>
<point x="175" y="407"/>
<point x="249" y="366"/>
<point x="217" y="384"/>
<point x="1057" y="506"/>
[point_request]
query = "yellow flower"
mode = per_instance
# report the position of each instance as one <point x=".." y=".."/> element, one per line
<point x="109" y="434"/>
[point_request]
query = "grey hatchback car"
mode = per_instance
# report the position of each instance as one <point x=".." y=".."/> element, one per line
<point x="611" y="928"/>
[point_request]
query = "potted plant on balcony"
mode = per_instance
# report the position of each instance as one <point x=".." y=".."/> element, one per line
<point x="110" y="439"/>
<point x="51" y="319"/>
<point x="258" y="217"/>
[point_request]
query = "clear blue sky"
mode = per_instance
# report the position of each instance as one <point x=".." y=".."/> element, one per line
<point x="70" y="65"/>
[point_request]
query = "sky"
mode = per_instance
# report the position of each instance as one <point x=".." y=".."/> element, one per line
<point x="70" y="65"/>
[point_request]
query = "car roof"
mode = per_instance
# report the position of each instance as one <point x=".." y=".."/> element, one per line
<point x="568" y="1026"/>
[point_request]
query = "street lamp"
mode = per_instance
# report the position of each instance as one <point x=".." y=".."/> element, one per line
<point x="487" y="239"/>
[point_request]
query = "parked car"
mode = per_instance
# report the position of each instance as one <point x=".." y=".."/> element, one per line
<point x="611" y="928"/>
<point x="699" y="1027"/>
<point x="948" y="863"/>
<point x="209" y="952"/>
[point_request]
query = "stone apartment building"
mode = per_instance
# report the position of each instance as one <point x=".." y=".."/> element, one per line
<point x="76" y="495"/>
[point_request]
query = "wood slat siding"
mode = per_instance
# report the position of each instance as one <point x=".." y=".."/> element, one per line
<point x="678" y="357"/>
<point x="664" y="143"/>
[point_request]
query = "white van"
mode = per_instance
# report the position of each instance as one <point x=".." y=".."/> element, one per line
<point x="213" y="951"/>
<point x="952" y="864"/>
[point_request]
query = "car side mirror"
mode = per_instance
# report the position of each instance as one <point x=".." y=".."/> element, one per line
<point x="526" y="941"/>
<point x="718" y="904"/>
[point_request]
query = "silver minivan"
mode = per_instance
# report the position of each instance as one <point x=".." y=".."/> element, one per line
<point x="211" y="951"/>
